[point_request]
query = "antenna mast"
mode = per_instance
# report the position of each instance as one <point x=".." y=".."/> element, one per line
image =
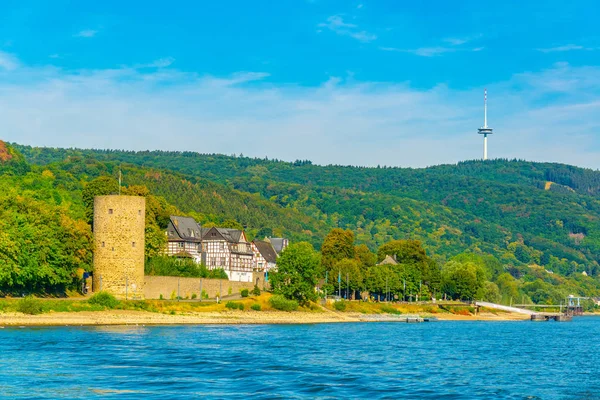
<point x="484" y="108"/>
<point x="484" y="130"/>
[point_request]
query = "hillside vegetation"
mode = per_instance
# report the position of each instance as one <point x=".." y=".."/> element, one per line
<point x="505" y="208"/>
<point x="500" y="230"/>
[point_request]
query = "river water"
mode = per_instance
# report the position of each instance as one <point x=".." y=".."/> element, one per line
<point x="438" y="360"/>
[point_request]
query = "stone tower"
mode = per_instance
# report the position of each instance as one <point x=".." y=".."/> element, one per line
<point x="119" y="225"/>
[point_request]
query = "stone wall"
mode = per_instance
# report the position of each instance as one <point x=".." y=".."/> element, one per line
<point x="170" y="286"/>
<point x="119" y="227"/>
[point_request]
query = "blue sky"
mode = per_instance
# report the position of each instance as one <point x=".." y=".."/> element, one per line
<point x="348" y="82"/>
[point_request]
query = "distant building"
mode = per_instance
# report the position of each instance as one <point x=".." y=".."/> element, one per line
<point x="265" y="256"/>
<point x="228" y="249"/>
<point x="184" y="237"/>
<point x="279" y="244"/>
<point x="389" y="260"/>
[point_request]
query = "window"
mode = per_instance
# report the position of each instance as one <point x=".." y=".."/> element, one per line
<point x="110" y="210"/>
<point x="221" y="245"/>
<point x="132" y="244"/>
<point x="213" y="234"/>
<point x="181" y="245"/>
<point x="102" y="244"/>
<point x="139" y="212"/>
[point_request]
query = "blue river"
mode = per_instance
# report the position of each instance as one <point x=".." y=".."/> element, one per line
<point x="437" y="360"/>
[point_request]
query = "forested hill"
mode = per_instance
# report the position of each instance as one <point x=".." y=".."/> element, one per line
<point x="522" y="212"/>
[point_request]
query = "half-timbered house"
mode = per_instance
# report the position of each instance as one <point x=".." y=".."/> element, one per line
<point x="183" y="238"/>
<point x="265" y="256"/>
<point x="228" y="249"/>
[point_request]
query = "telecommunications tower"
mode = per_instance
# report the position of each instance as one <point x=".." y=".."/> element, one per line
<point x="485" y="131"/>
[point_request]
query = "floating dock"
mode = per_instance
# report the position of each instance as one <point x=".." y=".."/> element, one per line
<point x="396" y="318"/>
<point x="558" y="317"/>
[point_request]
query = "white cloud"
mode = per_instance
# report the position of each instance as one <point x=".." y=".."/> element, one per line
<point x="455" y="45"/>
<point x="431" y="51"/>
<point x="456" y="41"/>
<point x="160" y="63"/>
<point x="8" y="61"/>
<point x="336" y="24"/>
<point x="163" y="62"/>
<point x="568" y="47"/>
<point x="540" y="116"/>
<point x="86" y="33"/>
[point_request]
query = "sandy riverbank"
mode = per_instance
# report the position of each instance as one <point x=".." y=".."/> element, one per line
<point x="128" y="317"/>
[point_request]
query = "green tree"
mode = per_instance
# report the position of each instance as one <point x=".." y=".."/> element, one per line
<point x="489" y="263"/>
<point x="351" y="269"/>
<point x="366" y="257"/>
<point x="338" y="244"/>
<point x="298" y="269"/>
<point x="414" y="267"/>
<point x="382" y="278"/>
<point x="409" y="252"/>
<point x="509" y="288"/>
<point x="101" y="186"/>
<point x="462" y="280"/>
<point x="489" y="292"/>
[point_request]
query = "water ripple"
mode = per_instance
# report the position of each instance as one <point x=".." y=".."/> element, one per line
<point x="446" y="360"/>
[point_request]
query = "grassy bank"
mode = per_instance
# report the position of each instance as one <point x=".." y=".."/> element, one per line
<point x="257" y="305"/>
<point x="35" y="306"/>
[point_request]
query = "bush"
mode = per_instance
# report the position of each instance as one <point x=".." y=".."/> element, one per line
<point x="256" y="291"/>
<point x="30" y="305"/>
<point x="194" y="296"/>
<point x="389" y="309"/>
<point x="340" y="305"/>
<point x="281" y="303"/>
<point x="234" y="306"/>
<point x="256" y="307"/>
<point x="231" y="305"/>
<point x="104" y="299"/>
<point x="244" y="293"/>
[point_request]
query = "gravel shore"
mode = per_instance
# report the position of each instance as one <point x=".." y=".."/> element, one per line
<point x="121" y="317"/>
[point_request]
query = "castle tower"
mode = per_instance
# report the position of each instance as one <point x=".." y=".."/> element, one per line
<point x="119" y="226"/>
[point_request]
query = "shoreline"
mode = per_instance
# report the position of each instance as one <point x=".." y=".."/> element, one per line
<point x="130" y="317"/>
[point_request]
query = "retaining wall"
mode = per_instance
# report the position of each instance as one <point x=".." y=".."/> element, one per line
<point x="170" y="286"/>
